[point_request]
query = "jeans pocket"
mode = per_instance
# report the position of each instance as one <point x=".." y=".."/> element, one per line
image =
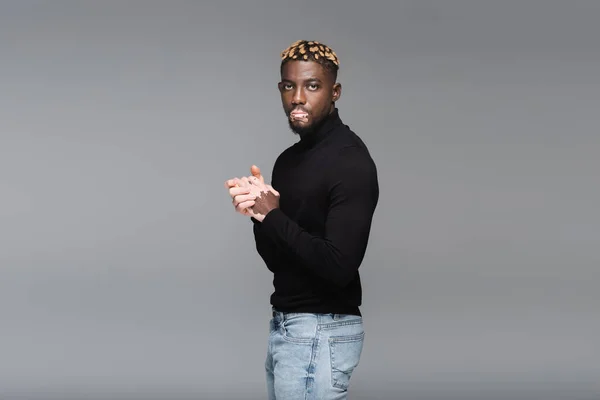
<point x="300" y="329"/>
<point x="344" y="352"/>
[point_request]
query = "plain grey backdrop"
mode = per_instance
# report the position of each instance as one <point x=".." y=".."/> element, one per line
<point x="125" y="273"/>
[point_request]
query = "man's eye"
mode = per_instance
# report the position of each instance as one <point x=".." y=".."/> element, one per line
<point x="313" y="87"/>
<point x="287" y="87"/>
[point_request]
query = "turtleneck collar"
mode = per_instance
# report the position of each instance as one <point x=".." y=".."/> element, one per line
<point x="323" y="130"/>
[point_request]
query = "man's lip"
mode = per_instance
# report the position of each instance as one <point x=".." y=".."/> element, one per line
<point x="298" y="112"/>
<point x="298" y="116"/>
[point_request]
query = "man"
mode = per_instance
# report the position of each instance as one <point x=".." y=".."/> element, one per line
<point x="311" y="228"/>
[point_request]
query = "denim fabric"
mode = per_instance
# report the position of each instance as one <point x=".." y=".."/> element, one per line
<point x="312" y="356"/>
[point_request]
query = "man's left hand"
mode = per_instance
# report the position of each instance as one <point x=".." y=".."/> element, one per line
<point x="267" y="201"/>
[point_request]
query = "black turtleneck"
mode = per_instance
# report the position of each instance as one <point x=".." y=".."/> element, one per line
<point x="315" y="241"/>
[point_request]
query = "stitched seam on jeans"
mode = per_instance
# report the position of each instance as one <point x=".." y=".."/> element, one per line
<point x="331" y="325"/>
<point x="347" y="338"/>
<point x="311" y="365"/>
<point x="297" y="340"/>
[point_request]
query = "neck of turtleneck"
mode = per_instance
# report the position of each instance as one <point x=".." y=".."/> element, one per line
<point x="311" y="138"/>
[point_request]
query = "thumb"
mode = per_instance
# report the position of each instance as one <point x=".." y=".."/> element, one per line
<point x="255" y="171"/>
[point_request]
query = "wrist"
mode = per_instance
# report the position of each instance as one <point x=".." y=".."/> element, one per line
<point x="260" y="217"/>
<point x="270" y="213"/>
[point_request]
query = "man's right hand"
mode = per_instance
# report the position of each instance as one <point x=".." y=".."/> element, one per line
<point x="243" y="193"/>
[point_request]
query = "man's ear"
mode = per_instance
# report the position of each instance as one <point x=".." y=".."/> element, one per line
<point x="337" y="92"/>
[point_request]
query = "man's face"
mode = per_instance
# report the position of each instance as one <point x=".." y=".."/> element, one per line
<point x="308" y="92"/>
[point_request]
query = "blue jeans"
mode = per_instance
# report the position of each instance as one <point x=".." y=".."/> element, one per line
<point x="312" y="356"/>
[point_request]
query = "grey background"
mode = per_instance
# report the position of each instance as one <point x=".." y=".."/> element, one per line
<point x="125" y="273"/>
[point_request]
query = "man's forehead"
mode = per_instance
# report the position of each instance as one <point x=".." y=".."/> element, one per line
<point x="303" y="70"/>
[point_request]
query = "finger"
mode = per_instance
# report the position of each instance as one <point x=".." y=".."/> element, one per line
<point x="255" y="171"/>
<point x="244" y="181"/>
<point x="256" y="181"/>
<point x="229" y="183"/>
<point x="245" y="205"/>
<point x="238" y="190"/>
<point x="242" y="198"/>
<point x="248" y="211"/>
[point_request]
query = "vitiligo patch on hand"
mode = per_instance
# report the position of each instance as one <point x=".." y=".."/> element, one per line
<point x="260" y="203"/>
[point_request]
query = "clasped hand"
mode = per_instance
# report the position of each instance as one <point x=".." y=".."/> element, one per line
<point x="250" y="195"/>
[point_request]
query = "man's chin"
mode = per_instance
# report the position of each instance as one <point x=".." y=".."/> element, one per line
<point x="299" y="128"/>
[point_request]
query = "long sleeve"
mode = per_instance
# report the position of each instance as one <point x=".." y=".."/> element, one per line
<point x="353" y="196"/>
<point x="266" y="247"/>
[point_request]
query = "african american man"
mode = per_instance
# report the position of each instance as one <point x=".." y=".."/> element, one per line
<point x="311" y="227"/>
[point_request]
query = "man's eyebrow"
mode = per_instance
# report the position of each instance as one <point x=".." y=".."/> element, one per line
<point x="311" y="79"/>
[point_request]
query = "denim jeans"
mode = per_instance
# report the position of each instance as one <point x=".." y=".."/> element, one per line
<point x="312" y="356"/>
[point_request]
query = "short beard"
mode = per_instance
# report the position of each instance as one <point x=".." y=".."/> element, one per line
<point x="300" y="130"/>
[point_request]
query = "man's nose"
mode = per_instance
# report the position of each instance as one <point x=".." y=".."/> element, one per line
<point x="299" y="97"/>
